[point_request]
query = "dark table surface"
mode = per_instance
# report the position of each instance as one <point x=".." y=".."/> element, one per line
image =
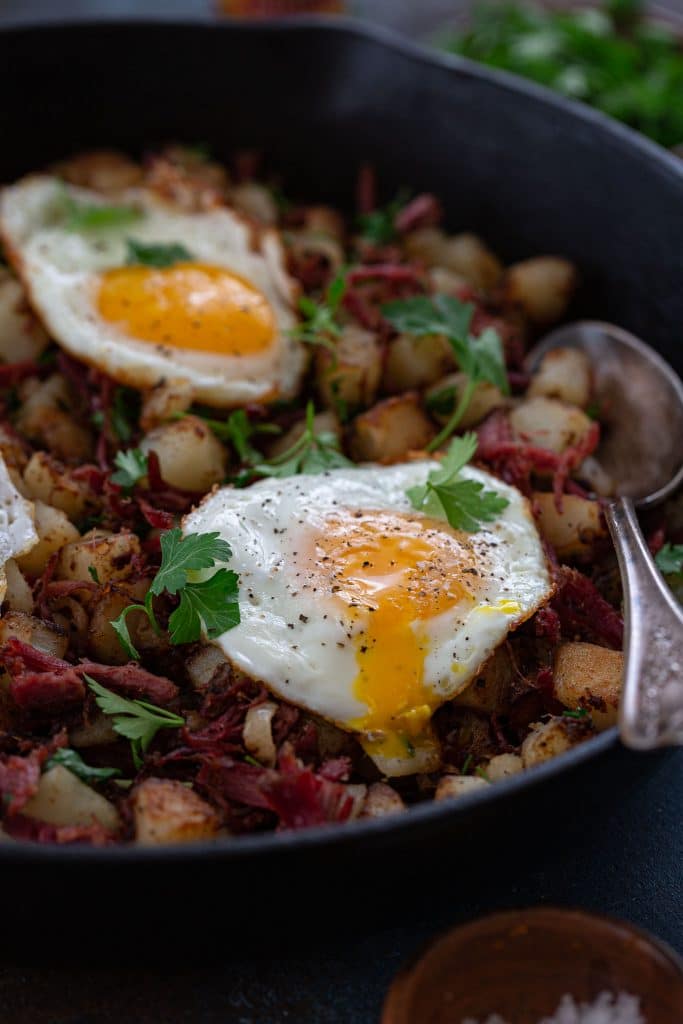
<point x="619" y="852"/>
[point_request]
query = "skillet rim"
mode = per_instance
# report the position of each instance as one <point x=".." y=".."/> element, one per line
<point x="260" y="845"/>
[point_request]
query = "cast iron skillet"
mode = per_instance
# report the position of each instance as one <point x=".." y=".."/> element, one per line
<point x="529" y="171"/>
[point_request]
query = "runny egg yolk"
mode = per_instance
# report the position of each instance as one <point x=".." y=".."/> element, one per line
<point x="195" y="306"/>
<point x="395" y="573"/>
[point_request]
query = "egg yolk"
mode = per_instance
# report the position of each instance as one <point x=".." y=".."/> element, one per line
<point x="193" y="306"/>
<point x="395" y="573"/>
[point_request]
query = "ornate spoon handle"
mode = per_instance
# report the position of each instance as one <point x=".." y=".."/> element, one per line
<point x="651" y="713"/>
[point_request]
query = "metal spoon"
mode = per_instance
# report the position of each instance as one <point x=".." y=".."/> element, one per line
<point x="641" y="449"/>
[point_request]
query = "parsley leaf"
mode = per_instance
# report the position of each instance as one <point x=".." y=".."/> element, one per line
<point x="72" y="760"/>
<point x="319" y="319"/>
<point x="207" y="602"/>
<point x="156" y="255"/>
<point x="464" y="502"/>
<point x="136" y="720"/>
<point x="379" y="226"/>
<point x="132" y="467"/>
<point x="94" y="575"/>
<point x="669" y="559"/>
<point x="310" y="454"/>
<point x="480" y="358"/>
<point x="181" y="555"/>
<point x="238" y="430"/>
<point x="578" y="713"/>
<point x="92" y="217"/>
<point x="210" y="606"/>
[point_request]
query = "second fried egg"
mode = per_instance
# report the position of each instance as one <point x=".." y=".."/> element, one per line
<point x="218" y="317"/>
<point x="358" y="608"/>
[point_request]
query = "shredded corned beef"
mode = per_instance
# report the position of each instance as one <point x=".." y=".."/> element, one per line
<point x="424" y="211"/>
<point x="19" y="778"/>
<point x="21" y="827"/>
<point x="583" y="610"/>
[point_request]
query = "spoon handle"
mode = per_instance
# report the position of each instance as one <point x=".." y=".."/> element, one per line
<point x="651" y="712"/>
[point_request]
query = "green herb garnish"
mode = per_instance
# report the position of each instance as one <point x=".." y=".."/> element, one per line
<point x="125" y="412"/>
<point x="379" y="226"/>
<point x="669" y="559"/>
<point x="93" y="217"/>
<point x="238" y="430"/>
<point x="132" y="467"/>
<point x="611" y="57"/>
<point x="310" y="454"/>
<point x="136" y="720"/>
<point x="208" y="601"/>
<point x="480" y="358"/>
<point x="92" y="572"/>
<point x="464" y="502"/>
<point x="319" y="319"/>
<point x="72" y="760"/>
<point x="156" y="255"/>
<point x="577" y="713"/>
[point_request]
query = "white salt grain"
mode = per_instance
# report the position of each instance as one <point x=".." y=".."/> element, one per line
<point x="606" y="1009"/>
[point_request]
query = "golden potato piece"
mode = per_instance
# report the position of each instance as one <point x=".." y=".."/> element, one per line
<point x="589" y="676"/>
<point x="54" y="531"/>
<point x="190" y="455"/>
<point x="390" y="430"/>
<point x="542" y="287"/>
<point x="572" y="529"/>
<point x="62" y="799"/>
<point x="166" y="811"/>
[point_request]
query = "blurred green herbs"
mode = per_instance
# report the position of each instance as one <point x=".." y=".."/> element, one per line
<point x="609" y="56"/>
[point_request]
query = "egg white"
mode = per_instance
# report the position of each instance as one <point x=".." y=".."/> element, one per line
<point x="17" y="528"/>
<point x="60" y="269"/>
<point x="296" y="638"/>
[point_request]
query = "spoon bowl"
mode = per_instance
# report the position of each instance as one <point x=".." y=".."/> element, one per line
<point x="640" y="398"/>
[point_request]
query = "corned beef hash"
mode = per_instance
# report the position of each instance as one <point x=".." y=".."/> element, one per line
<point x="287" y="536"/>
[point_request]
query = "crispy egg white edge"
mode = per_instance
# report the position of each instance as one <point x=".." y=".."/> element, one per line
<point x="253" y="645"/>
<point x="17" y="528"/>
<point x="28" y="211"/>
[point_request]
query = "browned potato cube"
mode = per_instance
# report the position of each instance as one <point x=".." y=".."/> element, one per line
<point x="390" y="430"/>
<point x="588" y="676"/>
<point x="104" y="170"/>
<point x="21" y="335"/>
<point x="45" y="479"/>
<point x="166" y="811"/>
<point x="190" y="455"/>
<point x="548" y="423"/>
<point x="54" y="531"/>
<point x="542" y="287"/>
<point x="46" y="636"/>
<point x="573" y="529"/>
<point x="107" y="554"/>
<point x="490" y="691"/>
<point x="564" y="373"/>
<point x="348" y="377"/>
<point x="416" y="362"/>
<point x="549" y="739"/>
<point x="62" y="799"/>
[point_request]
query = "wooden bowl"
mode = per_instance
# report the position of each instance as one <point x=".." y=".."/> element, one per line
<point x="519" y="964"/>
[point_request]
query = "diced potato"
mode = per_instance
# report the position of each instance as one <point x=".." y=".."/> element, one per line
<point x="45" y="479"/>
<point x="104" y="170"/>
<point x="380" y="800"/>
<point x="184" y="176"/>
<point x="323" y="423"/>
<point x="573" y="529"/>
<point x="588" y="676"/>
<point x="548" y="423"/>
<point x="257" y="733"/>
<point x="18" y="593"/>
<point x="349" y="376"/>
<point x="21" y="334"/>
<point x="324" y="220"/>
<point x="445" y="281"/>
<point x="14" y="454"/>
<point x="201" y="665"/>
<point x="490" y="691"/>
<point x="390" y="430"/>
<point x="62" y="799"/>
<point x="190" y="455"/>
<point x="108" y="554"/>
<point x="103" y="643"/>
<point x="30" y="630"/>
<point x="45" y="416"/>
<point x="166" y="811"/>
<point x="96" y="731"/>
<point x="54" y="531"/>
<point x="465" y="254"/>
<point x="502" y="766"/>
<point x="563" y="373"/>
<point x="542" y="287"/>
<point x="443" y="396"/>
<point x="549" y="739"/>
<point x="311" y="246"/>
<point x="416" y="362"/>
<point x="255" y="201"/>
<point x="458" y="785"/>
<point x="165" y="401"/>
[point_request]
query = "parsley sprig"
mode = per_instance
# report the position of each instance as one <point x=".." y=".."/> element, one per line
<point x="480" y="359"/>
<point x="132" y="467"/>
<point x="379" y="226"/>
<point x="208" y="600"/>
<point x="238" y="430"/>
<point x="319" y="325"/>
<point x="155" y="255"/>
<point x="464" y="502"/>
<point x="310" y="454"/>
<point x="136" y="720"/>
<point x="95" y="216"/>
<point x="72" y="760"/>
<point x="669" y="559"/>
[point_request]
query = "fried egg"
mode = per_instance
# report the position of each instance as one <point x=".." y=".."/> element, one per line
<point x="365" y="612"/>
<point x="17" y="528"/>
<point x="219" y="320"/>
